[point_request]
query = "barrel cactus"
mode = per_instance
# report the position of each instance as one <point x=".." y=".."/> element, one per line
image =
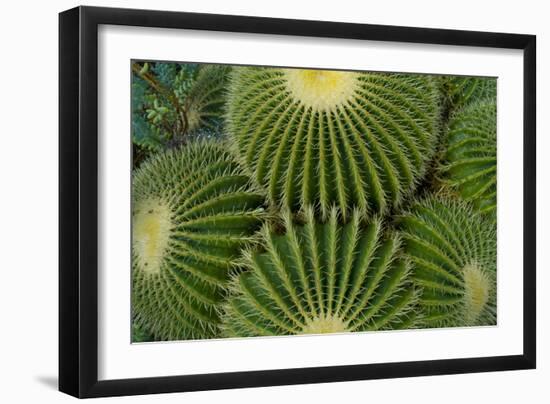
<point x="470" y="155"/>
<point x="452" y="249"/>
<point x="461" y="91"/>
<point x="206" y="98"/>
<point x="316" y="278"/>
<point x="323" y="138"/>
<point x="193" y="209"/>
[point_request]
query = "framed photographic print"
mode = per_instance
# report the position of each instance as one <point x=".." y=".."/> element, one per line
<point x="250" y="201"/>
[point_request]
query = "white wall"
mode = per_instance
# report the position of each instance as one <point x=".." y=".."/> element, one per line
<point x="28" y="199"/>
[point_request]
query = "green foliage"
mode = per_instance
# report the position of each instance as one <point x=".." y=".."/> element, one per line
<point x="193" y="209"/>
<point x="328" y="138"/>
<point x="178" y="77"/>
<point x="171" y="101"/>
<point x="154" y="114"/>
<point x="470" y="155"/>
<point x="453" y="254"/>
<point x="322" y="277"/>
<point x="143" y="133"/>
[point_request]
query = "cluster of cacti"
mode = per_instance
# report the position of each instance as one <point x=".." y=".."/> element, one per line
<point x="313" y="208"/>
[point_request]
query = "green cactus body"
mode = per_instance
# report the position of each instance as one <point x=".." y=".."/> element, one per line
<point x="453" y="254"/>
<point x="321" y="278"/>
<point x="206" y="98"/>
<point x="331" y="138"/>
<point x="193" y="209"/>
<point x="461" y="91"/>
<point x="471" y="157"/>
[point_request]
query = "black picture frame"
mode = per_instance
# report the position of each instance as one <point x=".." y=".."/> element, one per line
<point x="78" y="201"/>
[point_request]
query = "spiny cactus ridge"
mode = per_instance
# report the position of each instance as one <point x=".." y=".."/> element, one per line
<point x="470" y="155"/>
<point x="461" y="91"/>
<point x="207" y="97"/>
